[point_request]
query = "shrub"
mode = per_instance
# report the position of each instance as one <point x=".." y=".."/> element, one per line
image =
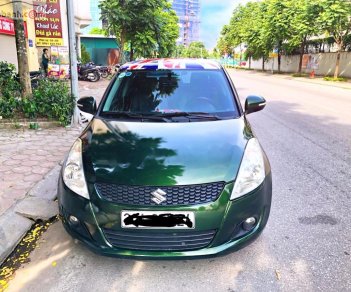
<point x="51" y="99"/>
<point x="9" y="90"/>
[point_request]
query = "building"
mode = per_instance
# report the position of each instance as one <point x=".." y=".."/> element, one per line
<point x="188" y="12"/>
<point x="102" y="50"/>
<point x="45" y="26"/>
<point x="95" y="13"/>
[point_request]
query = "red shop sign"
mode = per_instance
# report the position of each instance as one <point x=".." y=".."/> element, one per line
<point x="7" y="26"/>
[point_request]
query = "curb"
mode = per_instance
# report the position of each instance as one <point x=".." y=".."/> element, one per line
<point x="26" y="124"/>
<point x="38" y="204"/>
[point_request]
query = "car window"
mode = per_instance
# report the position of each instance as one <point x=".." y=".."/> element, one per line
<point x="171" y="91"/>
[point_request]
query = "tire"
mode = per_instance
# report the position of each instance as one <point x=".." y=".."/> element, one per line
<point x="104" y="74"/>
<point x="96" y="77"/>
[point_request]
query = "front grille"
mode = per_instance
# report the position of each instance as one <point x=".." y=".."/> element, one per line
<point x="166" y="241"/>
<point x="176" y="195"/>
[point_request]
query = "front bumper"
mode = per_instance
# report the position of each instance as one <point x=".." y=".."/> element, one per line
<point x="223" y="215"/>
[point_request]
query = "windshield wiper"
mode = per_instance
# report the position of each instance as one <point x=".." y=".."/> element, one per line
<point x="193" y="115"/>
<point x="136" y="116"/>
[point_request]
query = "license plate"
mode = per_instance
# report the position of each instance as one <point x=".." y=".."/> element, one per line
<point x="158" y="219"/>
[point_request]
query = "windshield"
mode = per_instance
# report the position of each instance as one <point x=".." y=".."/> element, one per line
<point x="171" y="92"/>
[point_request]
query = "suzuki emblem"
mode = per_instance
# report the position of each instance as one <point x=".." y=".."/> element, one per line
<point x="158" y="196"/>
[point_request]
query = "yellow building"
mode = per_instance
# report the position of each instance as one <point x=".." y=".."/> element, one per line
<point x="46" y="26"/>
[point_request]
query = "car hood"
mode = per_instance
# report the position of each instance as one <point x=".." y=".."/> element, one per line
<point x="163" y="154"/>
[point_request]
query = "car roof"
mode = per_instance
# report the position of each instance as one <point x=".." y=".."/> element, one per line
<point x="157" y="64"/>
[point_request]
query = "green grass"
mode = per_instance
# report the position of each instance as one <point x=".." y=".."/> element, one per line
<point x="338" y="79"/>
<point x="299" y="75"/>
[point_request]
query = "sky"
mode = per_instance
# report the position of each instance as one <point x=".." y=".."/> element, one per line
<point x="215" y="14"/>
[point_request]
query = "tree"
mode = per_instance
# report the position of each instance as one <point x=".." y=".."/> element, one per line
<point x="214" y="54"/>
<point x="247" y="27"/>
<point x="22" y="55"/>
<point x="238" y="26"/>
<point x="225" y="44"/>
<point x="144" y="25"/>
<point x="277" y="25"/>
<point x="97" y="30"/>
<point x="85" y="58"/>
<point x="159" y="38"/>
<point x="303" y="18"/>
<point x="287" y="26"/>
<point x="168" y="34"/>
<point x="194" y="50"/>
<point x="180" y="51"/>
<point x="335" y="19"/>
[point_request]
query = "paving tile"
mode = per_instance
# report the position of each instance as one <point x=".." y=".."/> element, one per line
<point x="23" y="186"/>
<point x="21" y="169"/>
<point x="19" y="157"/>
<point x="26" y="156"/>
<point x="31" y="163"/>
<point x="10" y="162"/>
<point x="11" y="176"/>
<point x="40" y="170"/>
<point x="33" y="178"/>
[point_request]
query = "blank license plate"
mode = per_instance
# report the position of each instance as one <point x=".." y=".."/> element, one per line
<point x="158" y="219"/>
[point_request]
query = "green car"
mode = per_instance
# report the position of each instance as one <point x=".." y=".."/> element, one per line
<point x="168" y="166"/>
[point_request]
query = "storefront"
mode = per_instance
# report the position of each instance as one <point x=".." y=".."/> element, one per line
<point x="7" y="40"/>
<point x="46" y="26"/>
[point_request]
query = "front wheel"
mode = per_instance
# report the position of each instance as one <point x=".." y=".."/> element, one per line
<point x="94" y="76"/>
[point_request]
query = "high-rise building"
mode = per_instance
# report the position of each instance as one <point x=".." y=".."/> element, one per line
<point x="188" y="12"/>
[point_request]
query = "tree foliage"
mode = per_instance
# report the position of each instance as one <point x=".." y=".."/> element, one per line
<point x="286" y="26"/>
<point x="194" y="50"/>
<point x="149" y="27"/>
<point x="335" y="19"/>
<point x="98" y="30"/>
<point x="85" y="56"/>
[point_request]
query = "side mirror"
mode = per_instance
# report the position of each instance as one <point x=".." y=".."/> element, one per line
<point x="254" y="103"/>
<point x="87" y="105"/>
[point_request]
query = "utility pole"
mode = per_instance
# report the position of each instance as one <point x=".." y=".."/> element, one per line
<point x="73" y="58"/>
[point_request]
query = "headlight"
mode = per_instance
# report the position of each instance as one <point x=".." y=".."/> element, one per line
<point x="73" y="173"/>
<point x="251" y="173"/>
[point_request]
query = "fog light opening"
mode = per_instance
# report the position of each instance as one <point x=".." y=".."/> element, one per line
<point x="73" y="220"/>
<point x="249" y="223"/>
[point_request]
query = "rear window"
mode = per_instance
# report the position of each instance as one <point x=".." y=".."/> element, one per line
<point x="171" y="91"/>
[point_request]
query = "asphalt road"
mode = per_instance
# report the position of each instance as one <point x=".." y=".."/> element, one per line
<point x="306" y="246"/>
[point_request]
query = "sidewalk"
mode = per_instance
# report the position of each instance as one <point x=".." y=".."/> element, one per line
<point x="27" y="156"/>
<point x="317" y="80"/>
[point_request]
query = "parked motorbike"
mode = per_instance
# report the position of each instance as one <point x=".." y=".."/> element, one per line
<point x="105" y="71"/>
<point x="88" y="73"/>
<point x="35" y="77"/>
